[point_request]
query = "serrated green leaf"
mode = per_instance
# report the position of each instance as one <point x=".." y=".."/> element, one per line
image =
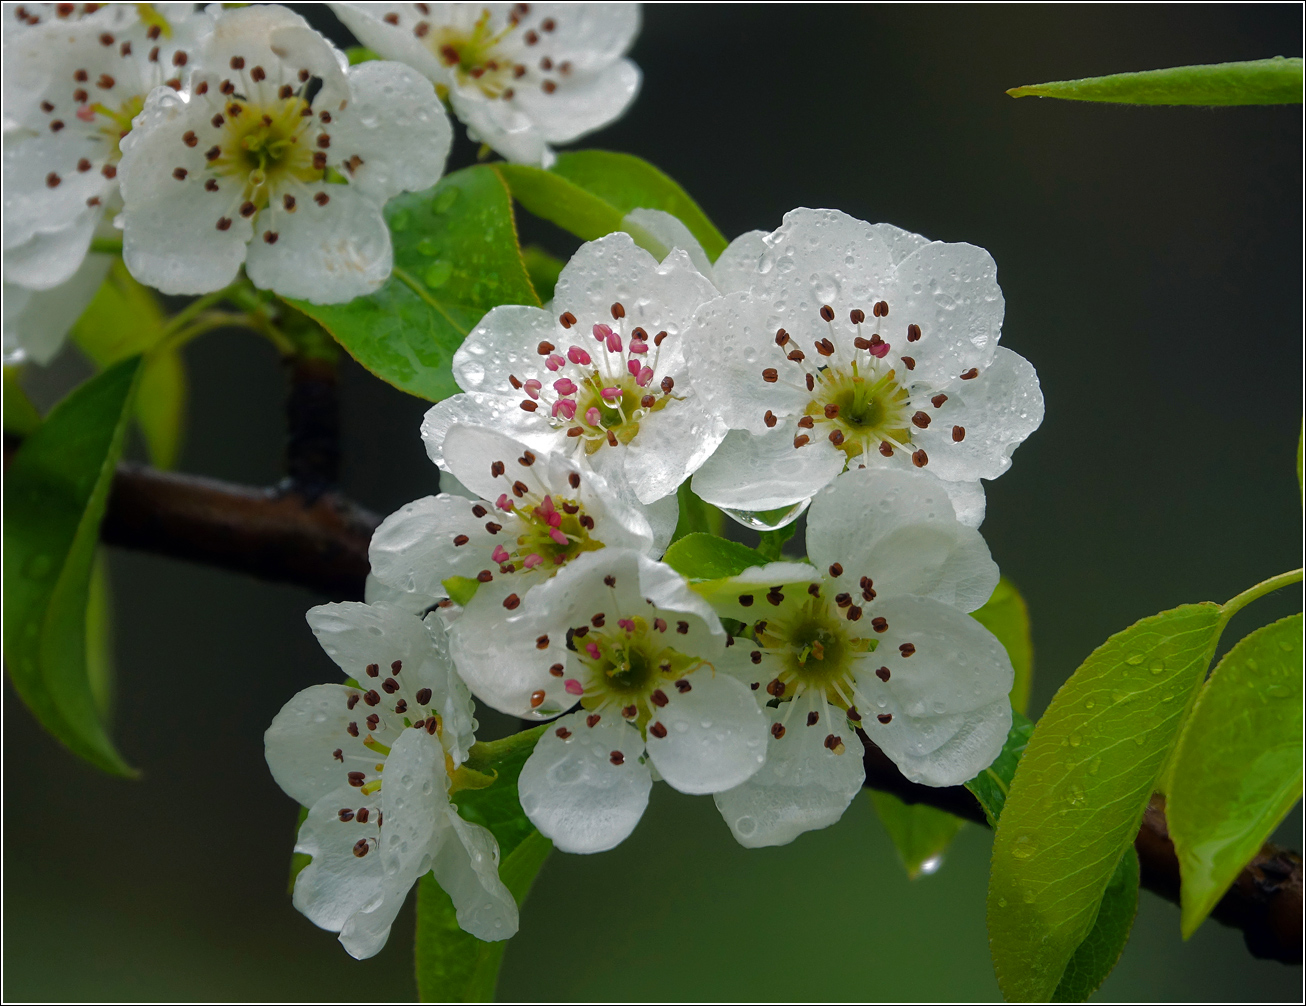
<point x="991" y="786"/>
<point x="919" y="832"/>
<point x="1006" y="616"/>
<point x="1238" y="768"/>
<point x="543" y="270"/>
<point x="454" y="966"/>
<point x="54" y="499"/>
<point x="701" y="556"/>
<point x="589" y="193"/>
<point x="1276" y="81"/>
<point x="20" y="415"/>
<point x="456" y="256"/>
<point x="1097" y="956"/>
<point x="1080" y="790"/>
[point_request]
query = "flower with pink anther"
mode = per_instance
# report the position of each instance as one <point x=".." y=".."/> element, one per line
<point x="376" y="762"/>
<point x="873" y="635"/>
<point x="278" y="157"/>
<point x="626" y="638"/>
<point x="73" y="82"/>
<point x="535" y="513"/>
<point x="608" y="377"/>
<point x="522" y="76"/>
<point x="849" y="344"/>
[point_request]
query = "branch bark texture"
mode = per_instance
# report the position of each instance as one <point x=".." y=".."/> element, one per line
<point x="319" y="541"/>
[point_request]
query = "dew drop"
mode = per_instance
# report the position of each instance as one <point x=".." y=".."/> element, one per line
<point x="445" y="199"/>
<point x="437" y="273"/>
<point x="1134" y="659"/>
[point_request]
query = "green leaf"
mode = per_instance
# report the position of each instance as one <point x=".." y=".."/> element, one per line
<point x="991" y="786"/>
<point x="1238" y="768"/>
<point x="543" y="270"/>
<point x="1005" y="615"/>
<point x="453" y="966"/>
<point x="99" y="638"/>
<point x="161" y="407"/>
<point x="20" y="415"/>
<point x="456" y="256"/>
<point x="701" y="556"/>
<point x="461" y="589"/>
<point x="1097" y="956"/>
<point x="589" y="193"/>
<point x="359" y="54"/>
<point x="771" y="543"/>
<point x="1276" y="81"/>
<point x="1080" y="790"/>
<point x="54" y="499"/>
<point x="695" y="515"/>
<point x="920" y="833"/>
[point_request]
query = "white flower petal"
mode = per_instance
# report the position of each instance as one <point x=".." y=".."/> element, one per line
<point x="656" y="227"/>
<point x="355" y="634"/>
<point x="50" y="260"/>
<point x="576" y="790"/>
<point x="946" y="693"/>
<point x="901" y="243"/>
<point x="36" y="321"/>
<point x="476" y="409"/>
<point x="951" y="291"/>
<point x="740" y="596"/>
<point x="803" y="786"/>
<point x="397" y="126"/>
<point x="466" y="867"/>
<point x="44" y="192"/>
<point x="670" y="446"/>
<point x="715" y="734"/>
<point x="995" y="411"/>
<point x="377" y="593"/>
<point x="967" y="500"/>
<point x="298" y="745"/>
<point x="765" y="471"/>
<point x="738" y="266"/>
<point x="365" y="21"/>
<point x="325" y="254"/>
<point x="416" y="548"/>
<point x="337" y="883"/>
<point x="504" y="342"/>
<point x="899" y="528"/>
<point x="268" y="35"/>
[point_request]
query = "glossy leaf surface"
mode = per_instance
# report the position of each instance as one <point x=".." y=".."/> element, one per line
<point x="1006" y="616"/>
<point x="1276" y="81"/>
<point x="702" y="556"/>
<point x="1096" y="956"/>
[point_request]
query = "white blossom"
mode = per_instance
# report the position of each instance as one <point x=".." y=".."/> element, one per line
<point x="606" y="378"/>
<point x="626" y="638"/>
<point x="521" y="76"/>
<point x="839" y="343"/>
<point x="279" y="157"/>
<point x="872" y="634"/>
<point x="72" y="85"/>
<point x="531" y="516"/>
<point x="36" y="322"/>
<point x="376" y="764"/>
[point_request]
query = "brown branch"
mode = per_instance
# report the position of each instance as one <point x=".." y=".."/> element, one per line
<point x="322" y="545"/>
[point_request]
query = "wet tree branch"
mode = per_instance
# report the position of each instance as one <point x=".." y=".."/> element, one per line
<point x="319" y="541"/>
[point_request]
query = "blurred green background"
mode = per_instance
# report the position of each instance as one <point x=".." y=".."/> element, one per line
<point x="1151" y="262"/>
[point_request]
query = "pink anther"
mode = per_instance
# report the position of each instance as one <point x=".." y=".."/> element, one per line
<point x="572" y="685"/>
<point x="500" y="554"/>
<point x="557" y="535"/>
<point x="879" y="350"/>
<point x="565" y="406"/>
<point x="578" y="356"/>
<point x="531" y="561"/>
<point x="638" y="346"/>
<point x="611" y="393"/>
<point x="503" y="502"/>
<point x="555" y="362"/>
<point x="593" y="650"/>
<point x="564" y="386"/>
<point x="592" y="416"/>
<point x="627" y="623"/>
<point x="614" y="343"/>
<point x="532" y="388"/>
<point x="86" y="113"/>
<point x="601" y="332"/>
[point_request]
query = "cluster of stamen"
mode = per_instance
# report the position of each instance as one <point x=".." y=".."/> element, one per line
<point x="101" y="109"/>
<point x="62" y="11"/>
<point x="551" y="529"/>
<point x="858" y="403"/>
<point x="599" y="398"/>
<point x="812" y="646"/>
<point x="265" y="145"/>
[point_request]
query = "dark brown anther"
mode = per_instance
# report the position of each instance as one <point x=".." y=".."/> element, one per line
<point x="777" y="730"/>
<point x="496" y="469"/>
<point x="827" y="313"/>
<point x="617" y="758"/>
<point x="796" y="356"/>
<point x="755" y="656"/>
<point x="363" y="815"/>
<point x="570" y="508"/>
<point x="775" y="687"/>
<point x="657" y="339"/>
<point x="770" y="375"/>
<point x="775" y="596"/>
<point x="909" y="362"/>
<point x="211" y="185"/>
<point x="580" y="631"/>
<point x="515" y="381"/>
<point x="660" y="624"/>
<point x="238" y="62"/>
<point x="224" y="223"/>
<point x="432" y="725"/>
<point x="373" y="670"/>
<point x="592" y="720"/>
<point x="938" y="400"/>
<point x="423" y="696"/>
<point x="352" y="700"/>
<point x="868" y="594"/>
<point x="352" y="729"/>
<point x="401" y="706"/>
<point x="667" y="384"/>
<point x="104" y="82"/>
<point x="563" y="732"/>
<point x="857" y="316"/>
<point x="372" y="697"/>
<point x="920" y="459"/>
<point x="920" y="420"/>
<point x="479" y="511"/>
<point x="970" y="375"/>
<point x="575" y="431"/>
<point x="288" y="201"/>
<point x="361" y="847"/>
<point x="882" y="674"/>
<point x="247" y="209"/>
<point x="746" y="600"/>
<point x="907" y="649"/>
<point x="52" y="180"/>
<point x="356" y="778"/>
<point x="812" y="718"/>
<point x="286" y="91"/>
<point x="612" y="439"/>
<point x="831" y="410"/>
<point x="806" y="423"/>
<point x="884" y="717"/>
<point x="781" y="337"/>
<point x="390" y="686"/>
<point x="814" y="589"/>
<point x="886" y="448"/>
<point x="492" y="527"/>
<point x="511" y="601"/>
<point x="880" y="624"/>
<point x="320" y="163"/>
<point x="537" y="699"/>
<point x="567" y="318"/>
<point x="573" y="479"/>
<point x="545" y="348"/>
<point x="825" y="347"/>
<point x="270" y="237"/>
<point x="882" y="309"/>
<point x="854" y="715"/>
<point x="598" y="620"/>
<point x="396" y="666"/>
<point x="587" y="522"/>
<point x="338" y="754"/>
<point x="648" y="401"/>
<point x="854" y="613"/>
<point x="802" y="440"/>
<point x="958" y="434"/>
<point x="556" y="670"/>
<point x="836" y="437"/>
<point x="541" y="642"/>
<point x="618" y="311"/>
<point x="657" y="730"/>
<point x="520" y="489"/>
<point x="811" y="382"/>
<point x="346" y="815"/>
<point x="484" y="576"/>
<point x="769" y="419"/>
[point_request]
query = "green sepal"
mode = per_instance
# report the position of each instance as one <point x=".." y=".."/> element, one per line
<point x="702" y="556"/>
<point x="1276" y="81"/>
<point x="461" y="589"/>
